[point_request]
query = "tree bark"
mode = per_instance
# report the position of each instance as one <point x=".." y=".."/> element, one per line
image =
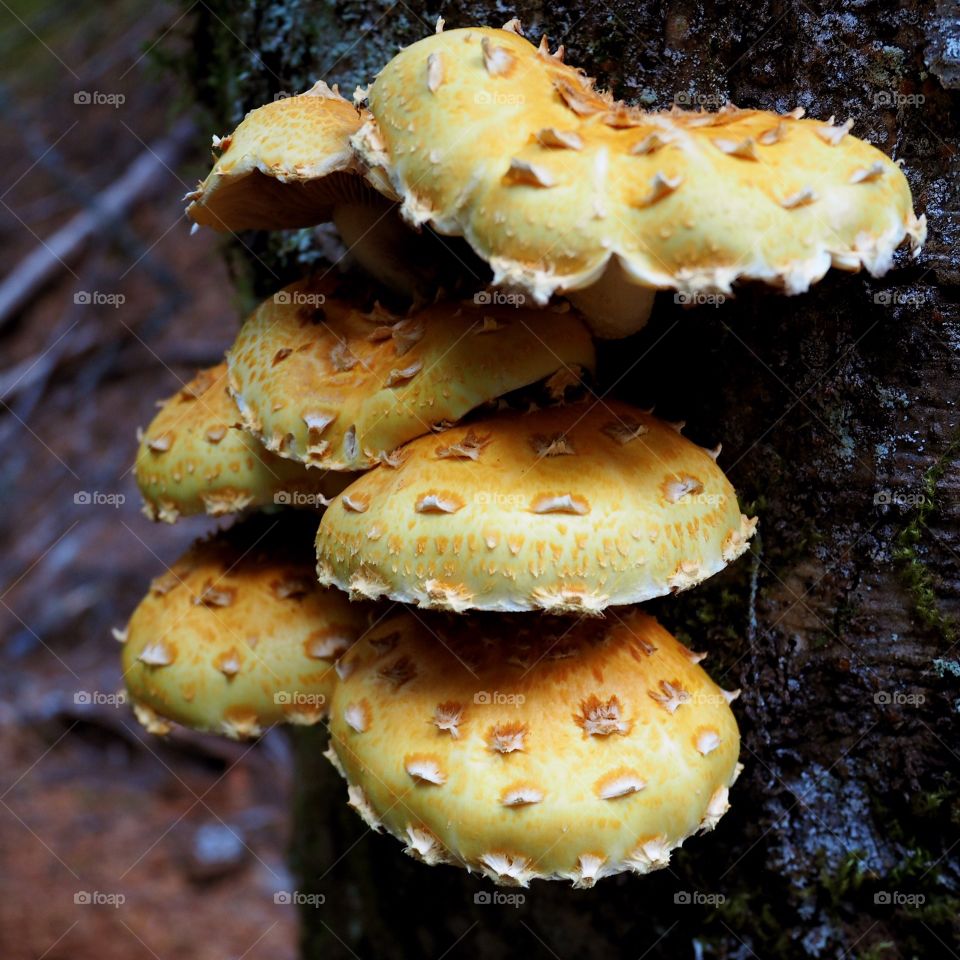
<point x="838" y="415"/>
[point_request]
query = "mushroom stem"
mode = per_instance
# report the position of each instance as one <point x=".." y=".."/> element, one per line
<point x="614" y="306"/>
<point x="385" y="246"/>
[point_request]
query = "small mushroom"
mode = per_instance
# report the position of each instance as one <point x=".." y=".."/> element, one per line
<point x="353" y="389"/>
<point x="214" y="467"/>
<point x="289" y="164"/>
<point x="265" y="657"/>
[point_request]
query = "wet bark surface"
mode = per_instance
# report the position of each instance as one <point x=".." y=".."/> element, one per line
<point x="838" y="417"/>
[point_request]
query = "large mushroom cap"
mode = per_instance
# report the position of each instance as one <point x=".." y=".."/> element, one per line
<point x="322" y="382"/>
<point x="285" y="166"/>
<point x="195" y="458"/>
<point x="560" y="188"/>
<point x="566" y="509"/>
<point x="237" y="635"/>
<point x="572" y="751"/>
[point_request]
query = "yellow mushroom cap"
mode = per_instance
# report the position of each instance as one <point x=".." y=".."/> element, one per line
<point x="322" y="382"/>
<point x="566" y="509"/>
<point x="285" y="166"/>
<point x="483" y="135"/>
<point x="195" y="458"/>
<point x="566" y="751"/>
<point x="237" y="635"/>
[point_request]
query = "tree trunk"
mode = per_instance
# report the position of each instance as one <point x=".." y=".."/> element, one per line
<point x="837" y="412"/>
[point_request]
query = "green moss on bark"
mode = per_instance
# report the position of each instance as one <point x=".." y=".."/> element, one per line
<point x="909" y="552"/>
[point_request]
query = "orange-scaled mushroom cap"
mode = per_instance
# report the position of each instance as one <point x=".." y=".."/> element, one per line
<point x="323" y="382"/>
<point x="237" y="635"/>
<point x="562" y="189"/>
<point x="557" y="750"/>
<point x="195" y="457"/>
<point x="286" y="165"/>
<point x="566" y="509"/>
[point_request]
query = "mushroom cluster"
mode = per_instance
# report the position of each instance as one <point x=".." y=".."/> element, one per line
<point x="465" y="614"/>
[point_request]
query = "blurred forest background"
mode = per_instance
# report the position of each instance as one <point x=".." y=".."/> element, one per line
<point x="837" y="411"/>
<point x="96" y="125"/>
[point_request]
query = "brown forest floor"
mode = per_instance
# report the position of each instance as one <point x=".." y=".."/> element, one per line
<point x="88" y="803"/>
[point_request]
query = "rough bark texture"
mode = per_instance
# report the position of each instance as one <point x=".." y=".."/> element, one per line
<point x="837" y="411"/>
